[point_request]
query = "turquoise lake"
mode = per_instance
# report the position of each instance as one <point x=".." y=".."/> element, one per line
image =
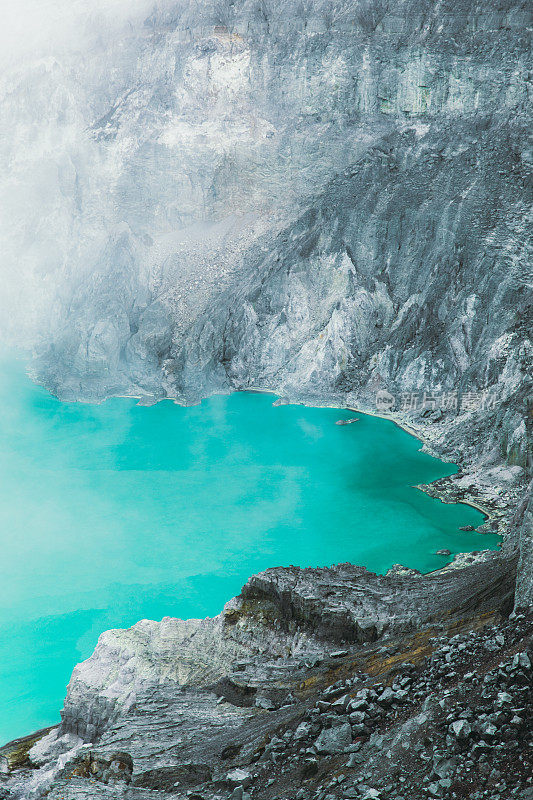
<point x="116" y="512"/>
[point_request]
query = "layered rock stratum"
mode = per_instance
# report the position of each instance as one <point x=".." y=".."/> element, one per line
<point x="330" y="200"/>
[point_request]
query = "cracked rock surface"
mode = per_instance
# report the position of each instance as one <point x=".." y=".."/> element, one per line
<point x="444" y="711"/>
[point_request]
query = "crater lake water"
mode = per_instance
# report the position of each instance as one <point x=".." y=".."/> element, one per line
<point x="116" y="512"/>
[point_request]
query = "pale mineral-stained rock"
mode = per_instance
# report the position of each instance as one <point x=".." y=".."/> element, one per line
<point x="324" y="199"/>
<point x="52" y="746"/>
<point x="328" y="200"/>
<point x="129" y="663"/>
<point x="283" y="617"/>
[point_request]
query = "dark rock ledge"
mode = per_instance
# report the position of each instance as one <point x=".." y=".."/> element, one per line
<point x="348" y="604"/>
<point x="308" y="685"/>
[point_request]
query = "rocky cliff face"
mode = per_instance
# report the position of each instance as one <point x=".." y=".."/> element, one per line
<point x="524" y="586"/>
<point x="318" y="197"/>
<point x="324" y="199"/>
<point x="285" y="613"/>
<point x="329" y="200"/>
<point x="301" y="672"/>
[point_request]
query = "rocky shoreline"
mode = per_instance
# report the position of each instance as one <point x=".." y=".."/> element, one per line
<point x="495" y="493"/>
<point x="375" y="156"/>
<point x="267" y="706"/>
<point x="248" y="704"/>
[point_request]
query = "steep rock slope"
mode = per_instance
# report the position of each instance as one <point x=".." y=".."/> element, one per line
<point x="390" y="137"/>
<point x="328" y="200"/>
<point x="401" y="276"/>
<point x="262" y="695"/>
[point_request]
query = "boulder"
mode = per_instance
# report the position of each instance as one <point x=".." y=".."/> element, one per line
<point x="334" y="740"/>
<point x="461" y="729"/>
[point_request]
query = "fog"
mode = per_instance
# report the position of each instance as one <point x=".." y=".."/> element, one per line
<point x="139" y="157"/>
<point x="118" y="130"/>
<point x="61" y="64"/>
<point x="34" y="28"/>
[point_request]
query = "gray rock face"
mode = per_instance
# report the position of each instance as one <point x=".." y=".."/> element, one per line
<point x="348" y="603"/>
<point x="311" y="608"/>
<point x="428" y="724"/>
<point x="524" y="586"/>
<point x="128" y="664"/>
<point x="334" y="740"/>
<point x="326" y="199"/>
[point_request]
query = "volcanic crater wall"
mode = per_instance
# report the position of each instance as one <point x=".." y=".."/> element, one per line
<point x="320" y="198"/>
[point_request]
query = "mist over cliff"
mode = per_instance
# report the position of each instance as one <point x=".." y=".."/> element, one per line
<point x="321" y="198"/>
<point x="329" y="199"/>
